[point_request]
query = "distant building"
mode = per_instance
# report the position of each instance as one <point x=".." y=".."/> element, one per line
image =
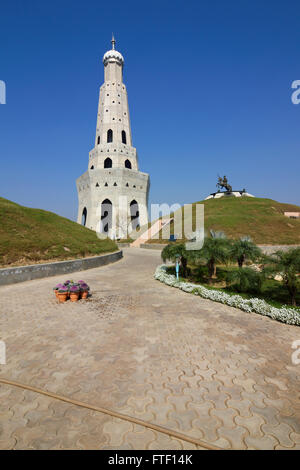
<point x="113" y="193"/>
<point x="292" y="215"/>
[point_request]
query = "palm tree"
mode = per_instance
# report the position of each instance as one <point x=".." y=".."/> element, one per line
<point x="287" y="263"/>
<point x="215" y="250"/>
<point x="243" y="249"/>
<point x="174" y="250"/>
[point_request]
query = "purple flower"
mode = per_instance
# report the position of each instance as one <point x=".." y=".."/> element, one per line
<point x="58" y="286"/>
<point x="74" y="288"/>
<point x="63" y="289"/>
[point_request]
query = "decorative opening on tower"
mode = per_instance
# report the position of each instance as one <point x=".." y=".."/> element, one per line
<point x="124" y="137"/>
<point x="128" y="164"/>
<point x="106" y="216"/>
<point x="84" y="217"/>
<point x="108" y="163"/>
<point x="134" y="214"/>
<point x="109" y="136"/>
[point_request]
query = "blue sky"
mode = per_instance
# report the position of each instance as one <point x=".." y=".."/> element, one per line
<point x="209" y="86"/>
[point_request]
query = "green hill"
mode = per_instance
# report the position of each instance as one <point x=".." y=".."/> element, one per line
<point x="262" y="219"/>
<point x="34" y="235"/>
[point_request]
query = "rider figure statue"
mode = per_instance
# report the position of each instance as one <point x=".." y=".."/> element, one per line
<point x="223" y="183"/>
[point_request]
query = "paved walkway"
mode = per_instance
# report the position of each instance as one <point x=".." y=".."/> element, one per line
<point x="149" y="351"/>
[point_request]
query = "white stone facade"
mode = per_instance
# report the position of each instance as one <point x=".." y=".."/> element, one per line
<point x="113" y="174"/>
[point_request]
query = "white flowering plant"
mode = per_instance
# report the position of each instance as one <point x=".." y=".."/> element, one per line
<point x="284" y="314"/>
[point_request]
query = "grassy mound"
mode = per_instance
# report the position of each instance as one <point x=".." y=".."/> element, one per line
<point x="29" y="236"/>
<point x="262" y="219"/>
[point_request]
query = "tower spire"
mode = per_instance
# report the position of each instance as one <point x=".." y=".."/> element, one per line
<point x="113" y="42"/>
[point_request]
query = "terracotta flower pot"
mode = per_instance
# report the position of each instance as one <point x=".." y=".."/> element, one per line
<point x="84" y="294"/>
<point x="74" y="296"/>
<point x="56" y="293"/>
<point x="62" y="296"/>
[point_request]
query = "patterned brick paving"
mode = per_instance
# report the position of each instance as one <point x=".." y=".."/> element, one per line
<point x="149" y="351"/>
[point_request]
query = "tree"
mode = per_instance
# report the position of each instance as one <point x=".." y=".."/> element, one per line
<point x="172" y="251"/>
<point x="243" y="249"/>
<point x="287" y="264"/>
<point x="215" y="250"/>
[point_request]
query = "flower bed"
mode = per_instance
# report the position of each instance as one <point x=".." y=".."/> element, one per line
<point x="284" y="314"/>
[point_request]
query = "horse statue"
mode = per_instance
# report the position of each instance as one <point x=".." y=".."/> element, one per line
<point x="223" y="183"/>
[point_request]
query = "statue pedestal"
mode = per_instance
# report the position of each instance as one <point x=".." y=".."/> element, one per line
<point x="219" y="194"/>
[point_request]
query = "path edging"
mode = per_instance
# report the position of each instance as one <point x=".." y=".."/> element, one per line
<point x="39" y="271"/>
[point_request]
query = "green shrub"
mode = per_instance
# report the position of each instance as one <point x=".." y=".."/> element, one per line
<point x="245" y="280"/>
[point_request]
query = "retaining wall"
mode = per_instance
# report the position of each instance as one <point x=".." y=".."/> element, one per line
<point x="38" y="271"/>
<point x="153" y="246"/>
<point x="267" y="249"/>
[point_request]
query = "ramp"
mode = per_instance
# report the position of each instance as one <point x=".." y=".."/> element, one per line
<point x="150" y="232"/>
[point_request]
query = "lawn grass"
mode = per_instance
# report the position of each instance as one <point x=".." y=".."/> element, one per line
<point x="262" y="219"/>
<point x="29" y="236"/>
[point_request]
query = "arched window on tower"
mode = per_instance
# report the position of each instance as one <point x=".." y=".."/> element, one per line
<point x="98" y="140"/>
<point x="108" y="163"/>
<point x="124" y="137"/>
<point x="134" y="215"/>
<point x="84" y="216"/>
<point x="106" y="216"/>
<point x="109" y="136"/>
<point x="128" y="164"/>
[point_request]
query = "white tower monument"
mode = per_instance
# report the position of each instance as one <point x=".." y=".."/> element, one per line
<point x="113" y="193"/>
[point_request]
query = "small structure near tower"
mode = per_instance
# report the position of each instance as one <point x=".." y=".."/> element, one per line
<point x="223" y="183"/>
<point x="113" y="193"/>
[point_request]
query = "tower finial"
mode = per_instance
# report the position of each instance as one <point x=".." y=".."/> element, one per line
<point x="113" y="42"/>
